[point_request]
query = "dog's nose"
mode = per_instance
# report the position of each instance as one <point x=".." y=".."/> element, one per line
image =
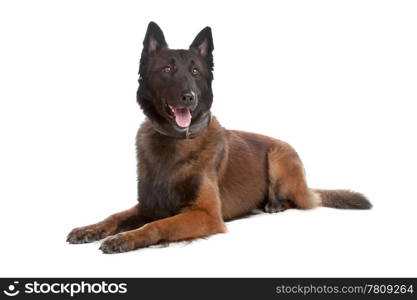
<point x="188" y="97"/>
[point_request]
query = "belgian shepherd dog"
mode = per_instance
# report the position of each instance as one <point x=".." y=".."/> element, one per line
<point x="193" y="174"/>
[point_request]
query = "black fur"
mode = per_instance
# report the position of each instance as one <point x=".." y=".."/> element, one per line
<point x="151" y="98"/>
<point x="220" y="156"/>
<point x="343" y="199"/>
<point x="159" y="199"/>
<point x="204" y="37"/>
<point x="153" y="33"/>
<point x="160" y="195"/>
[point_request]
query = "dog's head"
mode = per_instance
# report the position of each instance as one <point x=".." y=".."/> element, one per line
<point x="175" y="85"/>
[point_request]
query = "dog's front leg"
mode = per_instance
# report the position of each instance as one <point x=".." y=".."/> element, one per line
<point x="125" y="220"/>
<point x="203" y="218"/>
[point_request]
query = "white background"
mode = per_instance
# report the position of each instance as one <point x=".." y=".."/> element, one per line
<point x="336" y="79"/>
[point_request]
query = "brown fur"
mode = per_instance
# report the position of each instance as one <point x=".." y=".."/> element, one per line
<point x="254" y="171"/>
<point x="189" y="187"/>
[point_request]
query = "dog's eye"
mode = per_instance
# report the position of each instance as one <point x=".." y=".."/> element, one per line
<point x="195" y="71"/>
<point x="167" y="69"/>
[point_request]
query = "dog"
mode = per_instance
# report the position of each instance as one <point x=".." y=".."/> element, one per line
<point x="193" y="174"/>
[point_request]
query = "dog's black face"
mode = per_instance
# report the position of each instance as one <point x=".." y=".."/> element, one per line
<point x="175" y="85"/>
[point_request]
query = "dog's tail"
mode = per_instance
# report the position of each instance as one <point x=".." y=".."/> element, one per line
<point x="343" y="199"/>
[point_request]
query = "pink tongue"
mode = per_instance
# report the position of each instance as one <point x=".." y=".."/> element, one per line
<point x="182" y="117"/>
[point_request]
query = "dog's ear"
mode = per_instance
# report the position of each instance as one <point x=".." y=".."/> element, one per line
<point x="203" y="45"/>
<point x="154" y="39"/>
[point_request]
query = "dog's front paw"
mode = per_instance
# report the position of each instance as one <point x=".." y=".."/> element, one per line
<point x="117" y="243"/>
<point x="86" y="234"/>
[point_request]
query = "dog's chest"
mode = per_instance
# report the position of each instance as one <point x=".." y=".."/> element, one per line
<point x="163" y="189"/>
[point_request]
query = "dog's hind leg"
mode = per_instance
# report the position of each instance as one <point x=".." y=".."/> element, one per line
<point x="287" y="183"/>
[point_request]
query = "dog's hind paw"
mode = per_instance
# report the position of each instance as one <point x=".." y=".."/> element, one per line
<point x="274" y="207"/>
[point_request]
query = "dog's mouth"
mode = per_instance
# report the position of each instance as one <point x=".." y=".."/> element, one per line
<point x="182" y="115"/>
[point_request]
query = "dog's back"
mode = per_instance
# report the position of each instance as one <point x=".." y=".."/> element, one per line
<point x="192" y="173"/>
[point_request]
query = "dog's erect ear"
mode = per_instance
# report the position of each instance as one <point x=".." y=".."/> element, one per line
<point x="203" y="45"/>
<point x="154" y="39"/>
